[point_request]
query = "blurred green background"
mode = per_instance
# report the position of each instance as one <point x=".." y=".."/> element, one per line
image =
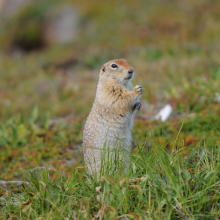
<point x="51" y="53"/>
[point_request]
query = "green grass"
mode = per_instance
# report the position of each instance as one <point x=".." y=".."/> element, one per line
<point x="47" y="91"/>
<point x="158" y="185"/>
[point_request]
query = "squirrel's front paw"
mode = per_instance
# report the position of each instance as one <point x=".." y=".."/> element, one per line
<point x="137" y="106"/>
<point x="138" y="89"/>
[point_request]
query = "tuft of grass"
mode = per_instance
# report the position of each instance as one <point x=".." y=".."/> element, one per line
<point x="158" y="185"/>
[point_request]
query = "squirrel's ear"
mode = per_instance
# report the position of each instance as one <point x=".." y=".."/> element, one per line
<point x="103" y="69"/>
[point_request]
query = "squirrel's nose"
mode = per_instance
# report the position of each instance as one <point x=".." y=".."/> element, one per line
<point x="130" y="71"/>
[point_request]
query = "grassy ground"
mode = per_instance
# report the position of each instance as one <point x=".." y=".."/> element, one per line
<point x="46" y="95"/>
<point x="159" y="185"/>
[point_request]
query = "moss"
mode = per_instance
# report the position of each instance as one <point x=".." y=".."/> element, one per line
<point x="24" y="29"/>
<point x="153" y="54"/>
<point x="202" y="124"/>
<point x="30" y="37"/>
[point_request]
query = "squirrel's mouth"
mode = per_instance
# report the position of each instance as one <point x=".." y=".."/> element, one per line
<point x="128" y="77"/>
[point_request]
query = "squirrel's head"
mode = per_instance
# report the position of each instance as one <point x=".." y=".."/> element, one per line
<point x="118" y="71"/>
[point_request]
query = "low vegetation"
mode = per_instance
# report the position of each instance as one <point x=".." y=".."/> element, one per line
<point x="47" y="90"/>
<point x="158" y="185"/>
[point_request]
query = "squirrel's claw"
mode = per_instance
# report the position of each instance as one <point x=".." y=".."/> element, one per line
<point x="137" y="106"/>
<point x="138" y="89"/>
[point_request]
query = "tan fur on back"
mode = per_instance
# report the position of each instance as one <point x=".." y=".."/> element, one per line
<point x="111" y="118"/>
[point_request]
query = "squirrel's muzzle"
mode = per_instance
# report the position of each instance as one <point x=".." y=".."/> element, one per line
<point x="130" y="71"/>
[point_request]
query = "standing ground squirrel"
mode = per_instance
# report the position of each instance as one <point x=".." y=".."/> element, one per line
<point x="110" y="121"/>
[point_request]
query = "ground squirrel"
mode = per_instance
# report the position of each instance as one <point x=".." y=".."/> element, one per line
<point x="110" y="121"/>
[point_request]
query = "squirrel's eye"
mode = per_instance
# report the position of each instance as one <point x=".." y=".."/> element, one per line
<point x="114" y="66"/>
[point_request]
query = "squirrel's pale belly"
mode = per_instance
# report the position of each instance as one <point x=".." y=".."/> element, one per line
<point x="106" y="130"/>
<point x="101" y="128"/>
